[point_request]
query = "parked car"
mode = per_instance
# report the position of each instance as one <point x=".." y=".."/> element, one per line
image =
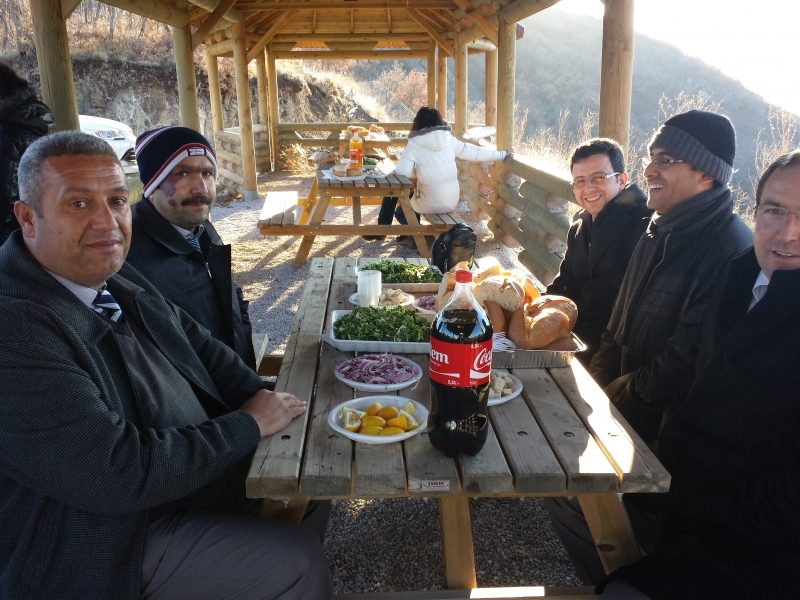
<point x="118" y="135"/>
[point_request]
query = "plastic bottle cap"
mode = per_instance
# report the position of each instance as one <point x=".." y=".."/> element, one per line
<point x="463" y="276"/>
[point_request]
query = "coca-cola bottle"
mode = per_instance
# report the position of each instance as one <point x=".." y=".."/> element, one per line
<point x="460" y="366"/>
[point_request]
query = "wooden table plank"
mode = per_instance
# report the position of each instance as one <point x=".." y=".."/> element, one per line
<point x="638" y="468"/>
<point x="429" y="471"/>
<point x="327" y="469"/>
<point x="487" y="472"/>
<point x="379" y="468"/>
<point x="275" y="469"/>
<point x="529" y="456"/>
<point x="586" y="467"/>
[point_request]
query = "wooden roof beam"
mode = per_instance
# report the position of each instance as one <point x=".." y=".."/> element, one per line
<point x="350" y="54"/>
<point x="267" y="37"/>
<point x="68" y="7"/>
<point x="339" y="4"/>
<point x="232" y="15"/>
<point x="153" y="9"/>
<point x="479" y="20"/>
<point x="522" y="9"/>
<point x="437" y="37"/>
<point x="211" y="20"/>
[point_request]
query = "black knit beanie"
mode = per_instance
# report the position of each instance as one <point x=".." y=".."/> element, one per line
<point x="161" y="150"/>
<point x="705" y="140"/>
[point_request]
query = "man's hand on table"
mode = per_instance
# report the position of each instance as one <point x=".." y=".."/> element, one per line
<point x="273" y="410"/>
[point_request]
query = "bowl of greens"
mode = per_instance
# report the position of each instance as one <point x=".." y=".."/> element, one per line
<point x="406" y="276"/>
<point x="376" y="329"/>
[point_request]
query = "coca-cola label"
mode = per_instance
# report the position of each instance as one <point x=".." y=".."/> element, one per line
<point x="460" y="365"/>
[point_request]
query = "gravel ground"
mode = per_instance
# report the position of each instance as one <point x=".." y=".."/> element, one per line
<point x="386" y="545"/>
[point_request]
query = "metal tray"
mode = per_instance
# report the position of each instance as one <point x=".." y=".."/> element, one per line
<point x="535" y="359"/>
<point x="373" y="346"/>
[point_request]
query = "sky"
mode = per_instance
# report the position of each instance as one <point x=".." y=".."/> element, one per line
<point x="754" y="41"/>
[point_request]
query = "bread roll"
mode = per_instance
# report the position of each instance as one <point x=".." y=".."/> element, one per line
<point x="373" y="127"/>
<point x="564" y="344"/>
<point x="340" y="169"/>
<point x="496" y="317"/>
<point x="532" y="333"/>
<point x="354" y="172"/>
<point x="487" y="271"/>
<point x="561" y="303"/>
<point x="507" y="292"/>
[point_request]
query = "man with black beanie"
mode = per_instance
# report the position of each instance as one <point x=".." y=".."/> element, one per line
<point x="647" y="355"/>
<point x="174" y="245"/>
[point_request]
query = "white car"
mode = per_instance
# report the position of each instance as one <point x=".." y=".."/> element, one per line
<point x="118" y="135"/>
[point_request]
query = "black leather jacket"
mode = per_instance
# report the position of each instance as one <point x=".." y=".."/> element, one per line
<point x="23" y="120"/>
<point x="200" y="284"/>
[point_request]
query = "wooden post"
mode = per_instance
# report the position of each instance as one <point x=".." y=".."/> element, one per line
<point x="261" y="75"/>
<point x="274" y="115"/>
<point x="461" y="89"/>
<point x="55" y="65"/>
<point x="442" y="83"/>
<point x="245" y="117"/>
<point x="217" y="119"/>
<point x="506" y="64"/>
<point x="491" y="88"/>
<point x="431" y="64"/>
<point x="187" y="83"/>
<point x="616" y="74"/>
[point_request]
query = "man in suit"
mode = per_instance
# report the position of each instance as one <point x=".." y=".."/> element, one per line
<point x="174" y="244"/>
<point x="122" y="420"/>
<point x="732" y="518"/>
<point x="601" y="240"/>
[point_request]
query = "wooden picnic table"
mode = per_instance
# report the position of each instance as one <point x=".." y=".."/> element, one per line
<point x="560" y="437"/>
<point x="277" y="215"/>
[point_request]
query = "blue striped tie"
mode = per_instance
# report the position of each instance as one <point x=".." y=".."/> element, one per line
<point x="195" y="241"/>
<point x="105" y="304"/>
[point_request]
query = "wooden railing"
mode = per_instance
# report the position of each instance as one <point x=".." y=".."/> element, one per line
<point x="526" y="208"/>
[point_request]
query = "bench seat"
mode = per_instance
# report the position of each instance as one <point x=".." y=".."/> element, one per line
<point x="278" y="210"/>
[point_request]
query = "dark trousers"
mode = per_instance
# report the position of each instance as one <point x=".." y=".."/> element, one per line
<point x="389" y="209"/>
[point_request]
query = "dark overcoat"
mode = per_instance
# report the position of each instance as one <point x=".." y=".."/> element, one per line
<point x="732" y="527"/>
<point x="598" y="252"/>
<point x="200" y="283"/>
<point x="80" y="465"/>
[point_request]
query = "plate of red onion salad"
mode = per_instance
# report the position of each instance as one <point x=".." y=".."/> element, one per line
<point x="378" y="372"/>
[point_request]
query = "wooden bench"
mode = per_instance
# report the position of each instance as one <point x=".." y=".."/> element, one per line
<point x="278" y="210"/>
<point x="518" y="593"/>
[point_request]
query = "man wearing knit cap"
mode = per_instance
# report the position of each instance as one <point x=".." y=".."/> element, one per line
<point x="647" y="355"/>
<point x="173" y="243"/>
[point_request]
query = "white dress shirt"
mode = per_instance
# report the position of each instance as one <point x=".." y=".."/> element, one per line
<point x="84" y="294"/>
<point x="759" y="289"/>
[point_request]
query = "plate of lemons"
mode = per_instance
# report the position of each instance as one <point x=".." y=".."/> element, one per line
<point x="379" y="419"/>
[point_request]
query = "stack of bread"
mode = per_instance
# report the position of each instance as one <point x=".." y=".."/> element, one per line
<point x="514" y="307"/>
<point x="361" y="131"/>
<point x="343" y="169"/>
<point x="375" y="129"/>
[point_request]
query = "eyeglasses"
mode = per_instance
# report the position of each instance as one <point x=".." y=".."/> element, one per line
<point x="773" y="215"/>
<point x="595" y="180"/>
<point x="664" y="163"/>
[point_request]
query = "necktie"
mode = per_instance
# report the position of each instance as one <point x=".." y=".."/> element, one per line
<point x="105" y="304"/>
<point x="195" y="241"/>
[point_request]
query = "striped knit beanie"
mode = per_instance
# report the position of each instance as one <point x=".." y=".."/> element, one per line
<point x="705" y="140"/>
<point x="161" y="150"/>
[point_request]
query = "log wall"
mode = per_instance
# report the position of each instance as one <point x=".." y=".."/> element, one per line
<point x="230" y="165"/>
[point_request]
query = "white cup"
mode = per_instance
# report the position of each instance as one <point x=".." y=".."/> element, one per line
<point x="369" y="288"/>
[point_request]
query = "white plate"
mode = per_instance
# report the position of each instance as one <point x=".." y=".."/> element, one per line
<point x="373" y="346"/>
<point x="515" y="391"/>
<point x="423" y="311"/>
<point x="420" y="414"/>
<point x="406" y="301"/>
<point x="383" y="387"/>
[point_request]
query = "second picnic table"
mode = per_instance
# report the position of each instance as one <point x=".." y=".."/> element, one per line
<point x="560" y="437"/>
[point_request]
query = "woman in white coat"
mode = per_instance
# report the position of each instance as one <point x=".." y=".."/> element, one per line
<point x="430" y="158"/>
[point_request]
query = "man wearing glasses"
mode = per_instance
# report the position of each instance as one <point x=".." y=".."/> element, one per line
<point x="732" y="522"/>
<point x="647" y="355"/>
<point x="600" y="242"/>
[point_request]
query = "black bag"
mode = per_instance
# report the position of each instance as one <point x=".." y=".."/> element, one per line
<point x="453" y="246"/>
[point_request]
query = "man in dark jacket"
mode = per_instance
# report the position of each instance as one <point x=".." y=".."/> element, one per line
<point x="647" y="355"/>
<point x="23" y="120"/>
<point x="732" y="524"/>
<point x="121" y="418"/>
<point x="601" y="240"/>
<point x="176" y="247"/>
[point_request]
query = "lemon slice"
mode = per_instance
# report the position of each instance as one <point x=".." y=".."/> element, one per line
<point x="371" y="430"/>
<point x="408" y="408"/>
<point x="351" y="419"/>
<point x="400" y="422"/>
<point x="391" y="431"/>
<point x="388" y="412"/>
<point x="369" y="421"/>
<point x="412" y="422"/>
<point x="373" y="410"/>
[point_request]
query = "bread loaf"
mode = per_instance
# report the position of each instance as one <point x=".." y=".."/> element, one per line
<point x="354" y="172"/>
<point x="561" y="303"/>
<point x="532" y="333"/>
<point x="564" y="344"/>
<point x="505" y="291"/>
<point x="340" y="169"/>
<point x="496" y="317"/>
